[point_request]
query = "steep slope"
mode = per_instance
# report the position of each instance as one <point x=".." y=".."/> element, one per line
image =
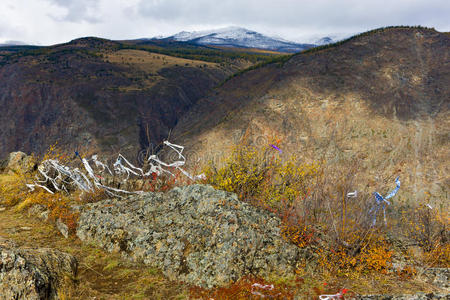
<point x="238" y="37"/>
<point x="381" y="98"/>
<point x="98" y="94"/>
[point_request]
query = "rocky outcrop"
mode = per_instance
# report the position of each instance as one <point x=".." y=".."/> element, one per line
<point x="195" y="234"/>
<point x="19" y="162"/>
<point x="439" y="277"/>
<point x="33" y="273"/>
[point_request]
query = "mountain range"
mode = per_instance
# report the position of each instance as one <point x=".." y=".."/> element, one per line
<point x="239" y="38"/>
<point x="231" y="37"/>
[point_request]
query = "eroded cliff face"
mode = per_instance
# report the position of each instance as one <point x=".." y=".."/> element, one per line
<point x="381" y="98"/>
<point x="90" y="95"/>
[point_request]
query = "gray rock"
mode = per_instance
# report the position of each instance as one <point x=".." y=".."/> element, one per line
<point x="19" y="162"/>
<point x="62" y="228"/>
<point x="33" y="273"/>
<point x="439" y="277"/>
<point x="195" y="234"/>
<point x="39" y="211"/>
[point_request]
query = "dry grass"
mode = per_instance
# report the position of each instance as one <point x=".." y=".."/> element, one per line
<point x="102" y="275"/>
<point x="12" y="188"/>
<point x="152" y="62"/>
<point x="149" y="64"/>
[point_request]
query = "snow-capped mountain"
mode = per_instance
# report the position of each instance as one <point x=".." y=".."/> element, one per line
<point x="239" y="37"/>
<point x="324" y="41"/>
<point x="12" y="43"/>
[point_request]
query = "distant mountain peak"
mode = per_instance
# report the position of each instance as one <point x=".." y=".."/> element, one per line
<point x="324" y="41"/>
<point x="13" y="43"/>
<point x="234" y="36"/>
<point x="185" y="36"/>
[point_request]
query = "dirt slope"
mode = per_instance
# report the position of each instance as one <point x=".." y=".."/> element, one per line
<point x="381" y="98"/>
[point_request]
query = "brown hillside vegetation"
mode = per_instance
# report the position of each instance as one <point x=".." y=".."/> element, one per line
<point x="100" y="94"/>
<point x="381" y="98"/>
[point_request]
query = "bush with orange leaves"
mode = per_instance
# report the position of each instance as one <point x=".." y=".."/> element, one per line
<point x="428" y="227"/>
<point x="14" y="192"/>
<point x="374" y="256"/>
<point x="311" y="201"/>
<point x="58" y="205"/>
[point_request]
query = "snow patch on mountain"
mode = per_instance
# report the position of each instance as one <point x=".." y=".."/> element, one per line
<point x="324" y="41"/>
<point x="12" y="43"/>
<point x="239" y="37"/>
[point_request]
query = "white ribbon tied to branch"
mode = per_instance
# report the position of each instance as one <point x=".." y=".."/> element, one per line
<point x="330" y="297"/>
<point x="268" y="287"/>
<point x="335" y="296"/>
<point x="352" y="194"/>
<point x="61" y="177"/>
<point x="177" y="164"/>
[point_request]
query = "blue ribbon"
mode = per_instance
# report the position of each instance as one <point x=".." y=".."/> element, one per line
<point x="381" y="202"/>
<point x="78" y="155"/>
<point x="392" y="194"/>
<point x="275" y="147"/>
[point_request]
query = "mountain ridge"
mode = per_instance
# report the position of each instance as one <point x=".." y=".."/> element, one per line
<point x="239" y="37"/>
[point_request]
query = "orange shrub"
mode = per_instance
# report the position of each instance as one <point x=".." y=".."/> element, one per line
<point x="57" y="204"/>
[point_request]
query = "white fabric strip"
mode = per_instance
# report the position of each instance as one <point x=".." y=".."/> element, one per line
<point x="61" y="177"/>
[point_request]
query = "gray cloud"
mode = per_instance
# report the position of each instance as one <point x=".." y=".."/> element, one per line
<point x="55" y="21"/>
<point x="78" y="10"/>
<point x="342" y="15"/>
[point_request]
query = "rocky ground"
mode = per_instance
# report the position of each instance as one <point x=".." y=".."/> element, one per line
<point x="157" y="246"/>
<point x="195" y="234"/>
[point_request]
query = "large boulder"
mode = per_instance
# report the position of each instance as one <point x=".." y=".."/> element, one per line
<point x="195" y="234"/>
<point x="19" y="162"/>
<point x="33" y="273"/>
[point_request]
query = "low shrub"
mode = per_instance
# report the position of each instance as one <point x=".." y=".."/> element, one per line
<point x="312" y="202"/>
<point x="58" y="204"/>
<point x="428" y="227"/>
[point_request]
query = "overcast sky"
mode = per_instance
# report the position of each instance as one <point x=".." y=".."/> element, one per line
<point x="55" y="21"/>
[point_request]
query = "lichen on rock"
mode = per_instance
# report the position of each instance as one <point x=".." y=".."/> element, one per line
<point x="195" y="234"/>
<point x="33" y="273"/>
<point x="19" y="162"/>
